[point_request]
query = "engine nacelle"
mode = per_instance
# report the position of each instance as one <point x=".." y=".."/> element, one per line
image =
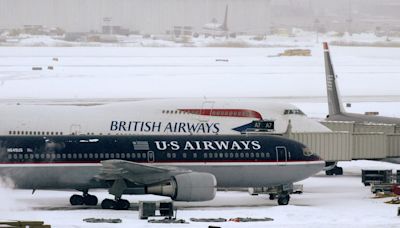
<point x="187" y="187"/>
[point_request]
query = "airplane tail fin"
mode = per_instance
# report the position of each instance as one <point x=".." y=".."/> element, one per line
<point x="334" y="101"/>
<point x="225" y="24"/>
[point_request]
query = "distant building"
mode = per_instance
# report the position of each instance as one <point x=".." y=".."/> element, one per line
<point x="158" y="16"/>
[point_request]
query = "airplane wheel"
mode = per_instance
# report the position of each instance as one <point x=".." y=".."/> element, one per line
<point x="90" y="200"/>
<point x="271" y="196"/>
<point x="108" y="204"/>
<point x="122" y="204"/>
<point x="76" y="200"/>
<point x="283" y="199"/>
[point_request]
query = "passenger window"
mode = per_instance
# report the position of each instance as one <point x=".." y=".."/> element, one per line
<point x="15" y="156"/>
<point x="133" y="155"/>
<point x="123" y="156"/>
<point x="21" y="156"/>
<point x="210" y="155"/>
<point x="69" y="156"/>
<point x="117" y="155"/>
<point x="241" y="155"/>
<point x="106" y="156"/>
<point x="112" y="155"/>
<point x="173" y="155"/>
<point x="31" y="156"/>
<point x="231" y="155"/>
<point x="85" y="156"/>
<point x="74" y="156"/>
<point x="184" y="155"/>
<point x="194" y="155"/>
<point x="144" y="155"/>
<point x="91" y="156"/>
<point x="79" y="156"/>
<point x="252" y="155"/>
<point x="139" y="156"/>
<point x="128" y="155"/>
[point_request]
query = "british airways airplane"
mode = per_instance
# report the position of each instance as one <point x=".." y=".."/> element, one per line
<point x="193" y="116"/>
<point x="185" y="168"/>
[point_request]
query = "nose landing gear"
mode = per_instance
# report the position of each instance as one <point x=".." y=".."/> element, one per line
<point x="283" y="199"/>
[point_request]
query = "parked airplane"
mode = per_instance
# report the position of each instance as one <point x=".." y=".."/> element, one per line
<point x="185" y="168"/>
<point x="155" y="117"/>
<point x="214" y="28"/>
<point x="336" y="110"/>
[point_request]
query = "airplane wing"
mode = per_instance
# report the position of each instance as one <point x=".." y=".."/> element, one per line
<point x="142" y="174"/>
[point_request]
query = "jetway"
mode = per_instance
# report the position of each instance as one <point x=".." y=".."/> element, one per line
<point x="353" y="141"/>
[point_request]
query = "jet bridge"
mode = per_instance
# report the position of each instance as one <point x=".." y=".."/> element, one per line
<point x="353" y="141"/>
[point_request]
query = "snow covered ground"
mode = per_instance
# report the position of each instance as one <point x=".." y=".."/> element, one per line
<point x="335" y="201"/>
<point x="366" y="74"/>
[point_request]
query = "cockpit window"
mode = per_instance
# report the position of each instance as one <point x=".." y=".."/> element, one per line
<point x="307" y="152"/>
<point x="293" y="112"/>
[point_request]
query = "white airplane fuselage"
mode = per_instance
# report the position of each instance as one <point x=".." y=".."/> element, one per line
<point x="153" y="117"/>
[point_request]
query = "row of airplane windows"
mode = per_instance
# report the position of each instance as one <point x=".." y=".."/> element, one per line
<point x="35" y="133"/>
<point x="224" y="155"/>
<point x="138" y="155"/>
<point x="52" y="156"/>
<point x="213" y="113"/>
<point x="46" y="133"/>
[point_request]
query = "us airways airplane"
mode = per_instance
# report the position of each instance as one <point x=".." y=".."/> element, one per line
<point x="336" y="110"/>
<point x="155" y="117"/>
<point x="185" y="168"/>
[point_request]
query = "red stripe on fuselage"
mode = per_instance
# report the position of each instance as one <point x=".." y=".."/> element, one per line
<point x="160" y="162"/>
<point x="243" y="113"/>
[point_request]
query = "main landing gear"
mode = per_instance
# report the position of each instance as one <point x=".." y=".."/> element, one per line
<point x="283" y="198"/>
<point x="119" y="204"/>
<point x="85" y="199"/>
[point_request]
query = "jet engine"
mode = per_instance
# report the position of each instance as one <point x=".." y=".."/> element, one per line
<point x="192" y="186"/>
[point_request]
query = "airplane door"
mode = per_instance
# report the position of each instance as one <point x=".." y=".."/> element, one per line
<point x="150" y="156"/>
<point x="205" y="112"/>
<point x="281" y="155"/>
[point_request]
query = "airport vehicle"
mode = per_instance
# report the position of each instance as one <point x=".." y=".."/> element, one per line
<point x="185" y="168"/>
<point x="336" y="109"/>
<point x="156" y="117"/>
